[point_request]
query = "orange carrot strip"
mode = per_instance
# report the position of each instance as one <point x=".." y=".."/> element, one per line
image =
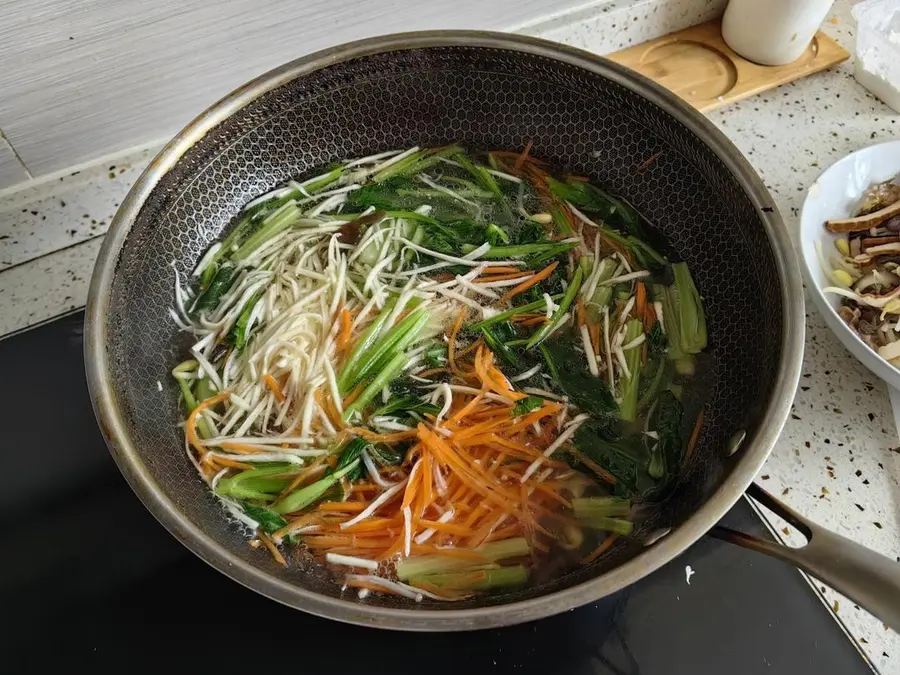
<point x="411" y="487"/>
<point x="445" y="527"/>
<point x="353" y="395"/>
<point x="451" y="343"/>
<point x="695" y="436"/>
<point x="373" y="525"/>
<point x="190" y="428"/>
<point x="274" y="388"/>
<point x="347" y="507"/>
<point x="239" y="447"/>
<point x="272" y="548"/>
<point x="370" y="435"/>
<point x="579" y="311"/>
<point x="318" y="465"/>
<point x="600" y="550"/>
<point x="520" y="160"/>
<point x="640" y="299"/>
<point x="472" y="347"/>
<point x="343" y="340"/>
<point x="533" y="321"/>
<point x="426" y="480"/>
<point x="466" y="409"/>
<point x="531" y="281"/>
<point x="500" y="269"/>
<point x="594" y="329"/>
<point x="504" y="277"/>
<point x="231" y="463"/>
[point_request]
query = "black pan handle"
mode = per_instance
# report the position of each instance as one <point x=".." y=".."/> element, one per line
<point x="868" y="578"/>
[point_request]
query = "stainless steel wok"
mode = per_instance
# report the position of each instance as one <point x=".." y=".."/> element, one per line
<point x="491" y="91"/>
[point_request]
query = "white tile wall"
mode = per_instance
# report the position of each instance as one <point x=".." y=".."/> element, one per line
<point x="84" y="78"/>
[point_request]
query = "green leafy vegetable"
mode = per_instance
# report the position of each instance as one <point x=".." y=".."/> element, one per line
<point x="669" y="451"/>
<point x="509" y="313"/>
<point x="496" y="235"/>
<point x="657" y="343"/>
<point x="262" y="483"/>
<point x="475" y="580"/>
<point x="628" y="409"/>
<point x="348" y="374"/>
<point x="534" y="253"/>
<point x="625" y="458"/>
<point x="306" y="496"/>
<point x="386" y="348"/>
<point x="349" y="453"/>
<point x="526" y="405"/>
<point x="209" y="299"/>
<point x="438" y="564"/>
<point x="268" y="520"/>
<point x="391" y="369"/>
<point x="585" y="507"/>
<point x="684" y="318"/>
<point x="402" y="406"/>
<point x="502" y="350"/>
<point x="591" y="199"/>
<point x="238" y="336"/>
<point x="273" y="225"/>
<point x="559" y="315"/>
<point x="385" y="455"/>
<point x="436" y="355"/>
<point x="589" y="393"/>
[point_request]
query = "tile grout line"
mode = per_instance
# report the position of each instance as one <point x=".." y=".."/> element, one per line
<point x="16" y="154"/>
<point x="53" y="252"/>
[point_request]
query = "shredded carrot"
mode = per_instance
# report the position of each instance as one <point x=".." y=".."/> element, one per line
<point x="445" y="527"/>
<point x="318" y="465"/>
<point x="343" y="340"/>
<point x="274" y="388"/>
<point x="594" y="329"/>
<point x="640" y="299"/>
<point x="368" y="585"/>
<point x="521" y="274"/>
<point x="372" y="525"/>
<point x="695" y="436"/>
<point x="348" y="507"/>
<point x="579" y="312"/>
<point x="231" y="463"/>
<point x="647" y="163"/>
<point x="500" y="269"/>
<point x="520" y="160"/>
<point x="508" y="154"/>
<point x="649" y="317"/>
<point x="451" y="343"/>
<point x="370" y="435"/>
<point x="353" y="395"/>
<point x="604" y="546"/>
<point x="272" y="548"/>
<point x="531" y="281"/>
<point x="242" y="448"/>
<point x="468" y="350"/>
<point x="190" y="428"/>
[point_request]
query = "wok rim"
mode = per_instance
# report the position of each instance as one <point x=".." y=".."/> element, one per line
<point x="754" y="453"/>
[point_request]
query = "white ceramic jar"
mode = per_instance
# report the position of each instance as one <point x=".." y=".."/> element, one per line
<point x="772" y="32"/>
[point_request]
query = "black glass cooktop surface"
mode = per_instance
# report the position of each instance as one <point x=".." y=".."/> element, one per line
<point x="89" y="579"/>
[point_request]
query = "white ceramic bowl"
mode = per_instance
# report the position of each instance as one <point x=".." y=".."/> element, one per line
<point x="834" y="195"/>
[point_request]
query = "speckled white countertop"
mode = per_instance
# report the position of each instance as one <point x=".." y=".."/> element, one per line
<point x="837" y="460"/>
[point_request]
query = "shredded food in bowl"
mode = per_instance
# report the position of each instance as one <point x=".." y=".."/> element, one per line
<point x="865" y="268"/>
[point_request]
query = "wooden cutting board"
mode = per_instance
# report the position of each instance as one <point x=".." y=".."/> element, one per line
<point x="697" y="65"/>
